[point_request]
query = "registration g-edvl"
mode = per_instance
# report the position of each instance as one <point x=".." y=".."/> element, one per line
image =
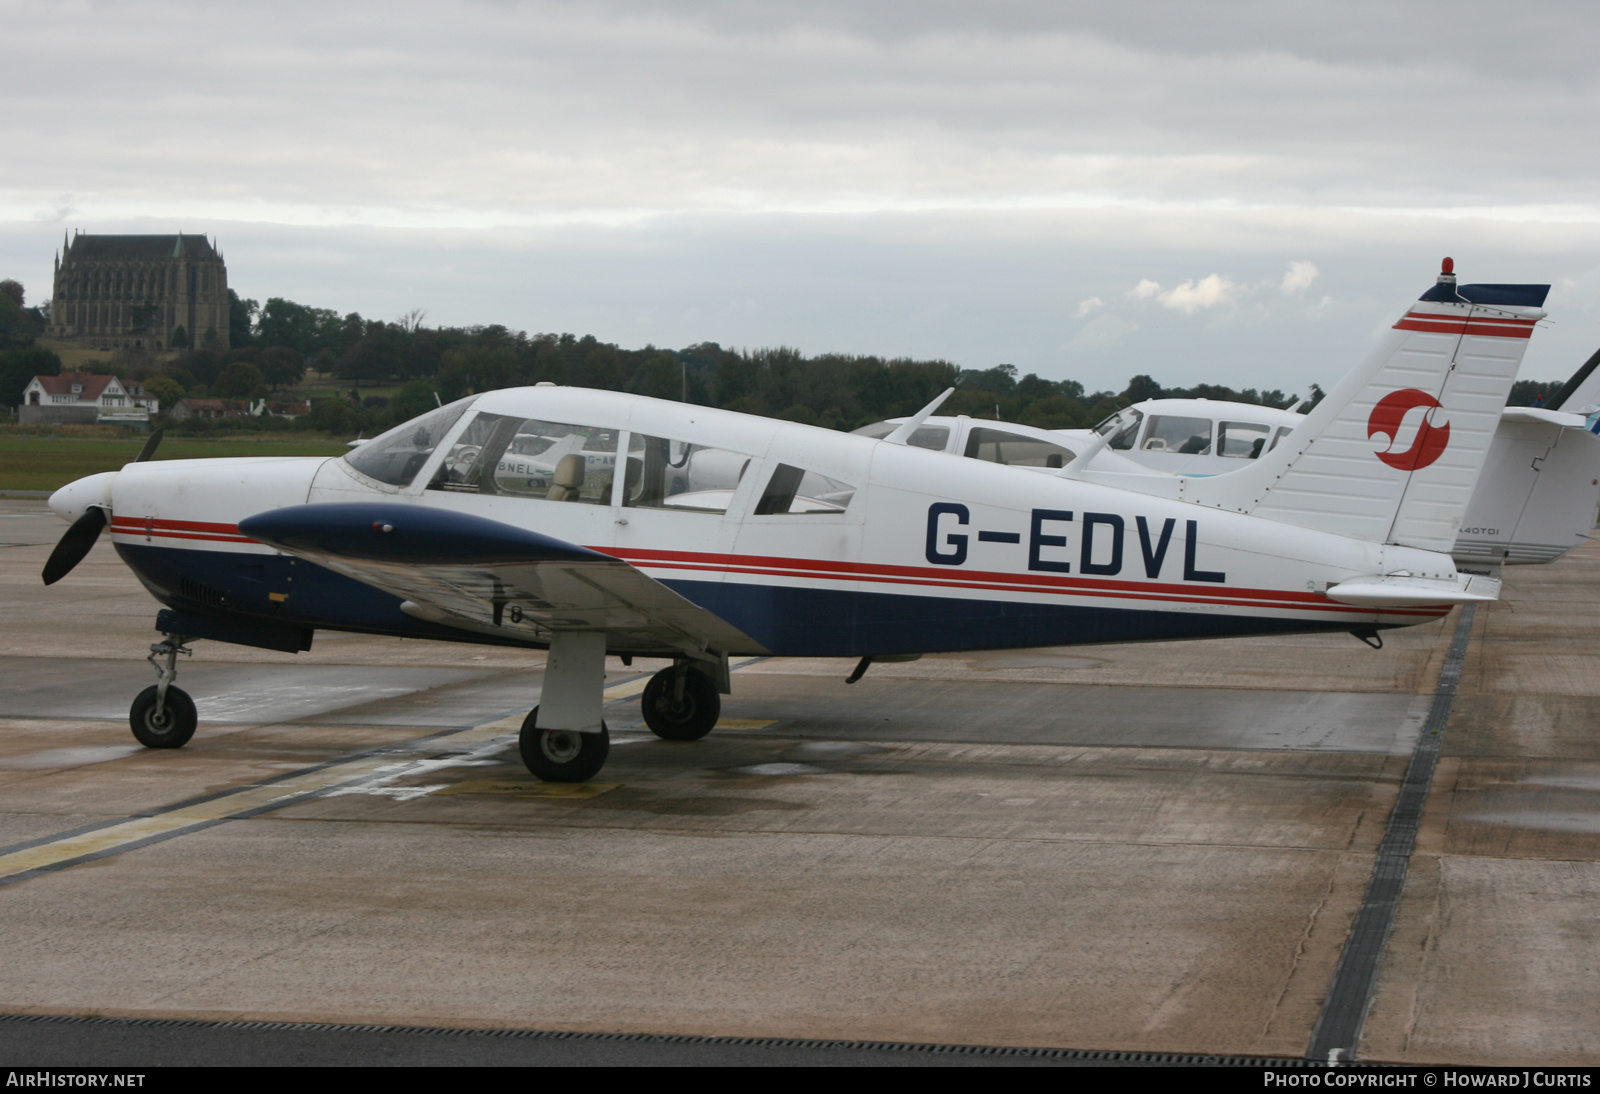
<point x="657" y="529"/>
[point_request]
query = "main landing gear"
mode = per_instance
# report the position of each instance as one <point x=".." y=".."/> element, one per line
<point x="681" y="703"/>
<point x="163" y="716"/>
<point x="562" y="755"/>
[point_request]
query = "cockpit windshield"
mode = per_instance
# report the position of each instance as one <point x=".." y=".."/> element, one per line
<point x="1126" y="423"/>
<point x="935" y="437"/>
<point x="395" y="457"/>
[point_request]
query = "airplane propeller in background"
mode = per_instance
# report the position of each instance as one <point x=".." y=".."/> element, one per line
<point x="150" y="446"/>
<point x="80" y="538"/>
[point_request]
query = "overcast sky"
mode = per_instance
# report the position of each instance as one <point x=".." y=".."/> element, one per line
<point x="1243" y="193"/>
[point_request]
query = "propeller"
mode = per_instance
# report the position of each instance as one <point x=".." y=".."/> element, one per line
<point x="75" y="544"/>
<point x="79" y="539"/>
<point x="150" y="446"/>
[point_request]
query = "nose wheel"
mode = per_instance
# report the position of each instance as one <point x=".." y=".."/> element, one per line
<point x="681" y="704"/>
<point x="163" y="716"/>
<point x="163" y="725"/>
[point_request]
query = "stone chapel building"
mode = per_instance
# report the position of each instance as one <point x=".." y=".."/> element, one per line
<point x="140" y="292"/>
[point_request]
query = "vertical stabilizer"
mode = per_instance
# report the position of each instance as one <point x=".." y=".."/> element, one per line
<point x="1393" y="454"/>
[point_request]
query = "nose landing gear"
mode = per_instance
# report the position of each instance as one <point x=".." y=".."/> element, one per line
<point x="163" y="716"/>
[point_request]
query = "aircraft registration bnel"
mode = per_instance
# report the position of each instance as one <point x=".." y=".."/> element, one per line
<point x="593" y="522"/>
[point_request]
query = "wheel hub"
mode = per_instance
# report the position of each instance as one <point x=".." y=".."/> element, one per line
<point x="561" y="745"/>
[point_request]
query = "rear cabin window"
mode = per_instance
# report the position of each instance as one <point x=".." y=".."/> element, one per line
<point x="531" y="458"/>
<point x="667" y="474"/>
<point x="1242" y="440"/>
<point x="1171" y="433"/>
<point x="1014" y="450"/>
<point x="794" y="491"/>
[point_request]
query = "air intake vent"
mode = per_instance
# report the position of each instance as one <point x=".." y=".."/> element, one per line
<point x="200" y="594"/>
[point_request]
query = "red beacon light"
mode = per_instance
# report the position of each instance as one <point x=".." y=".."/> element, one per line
<point x="1447" y="272"/>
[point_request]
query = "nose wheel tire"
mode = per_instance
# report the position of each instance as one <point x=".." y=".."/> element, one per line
<point x="168" y="727"/>
<point x="685" y="717"/>
<point x="562" y="755"/>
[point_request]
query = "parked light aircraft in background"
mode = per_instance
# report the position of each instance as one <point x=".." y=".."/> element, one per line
<point x="726" y="534"/>
<point x="1536" y="498"/>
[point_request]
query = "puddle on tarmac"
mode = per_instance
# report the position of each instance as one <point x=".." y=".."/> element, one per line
<point x="68" y="757"/>
<point x="779" y="769"/>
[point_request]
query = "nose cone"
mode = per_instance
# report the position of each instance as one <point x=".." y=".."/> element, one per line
<point x="70" y="502"/>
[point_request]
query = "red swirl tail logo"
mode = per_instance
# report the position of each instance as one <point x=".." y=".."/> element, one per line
<point x="1387" y="418"/>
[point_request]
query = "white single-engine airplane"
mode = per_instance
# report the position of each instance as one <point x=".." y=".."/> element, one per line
<point x="728" y="534"/>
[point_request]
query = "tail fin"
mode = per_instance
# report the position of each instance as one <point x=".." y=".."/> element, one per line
<point x="1537" y="497"/>
<point x="1392" y="455"/>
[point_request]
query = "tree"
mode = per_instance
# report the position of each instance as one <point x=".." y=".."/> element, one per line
<point x="282" y="366"/>
<point x="15" y="328"/>
<point x="165" y="389"/>
<point x="19" y="366"/>
<point x="660" y="376"/>
<point x="1141" y="388"/>
<point x="416" y="397"/>
<point x="237" y="381"/>
<point x="13" y="289"/>
<point x="241" y="319"/>
<point x="285" y="323"/>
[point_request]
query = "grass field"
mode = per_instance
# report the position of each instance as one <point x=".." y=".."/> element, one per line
<point x="47" y="462"/>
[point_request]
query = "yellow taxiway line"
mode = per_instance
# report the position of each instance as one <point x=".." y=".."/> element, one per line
<point x="464" y="745"/>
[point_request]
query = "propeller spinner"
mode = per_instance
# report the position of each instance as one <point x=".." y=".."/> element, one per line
<point x="80" y="538"/>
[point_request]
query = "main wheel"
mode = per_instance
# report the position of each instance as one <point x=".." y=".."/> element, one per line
<point x="562" y="755"/>
<point x="170" y="727"/>
<point x="681" y="719"/>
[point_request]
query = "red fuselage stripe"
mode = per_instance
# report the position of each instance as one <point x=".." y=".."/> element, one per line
<point x="877" y="573"/>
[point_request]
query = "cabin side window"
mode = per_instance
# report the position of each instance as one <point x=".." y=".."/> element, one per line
<point x="1014" y="450"/>
<point x="1242" y="440"/>
<point x="794" y="491"/>
<point x="1182" y="435"/>
<point x="661" y="473"/>
<point x="531" y="458"/>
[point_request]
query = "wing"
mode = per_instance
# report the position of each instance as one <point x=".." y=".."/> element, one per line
<point x="493" y="578"/>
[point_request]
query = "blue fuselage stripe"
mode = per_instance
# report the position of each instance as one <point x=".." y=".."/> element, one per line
<point x="792" y="621"/>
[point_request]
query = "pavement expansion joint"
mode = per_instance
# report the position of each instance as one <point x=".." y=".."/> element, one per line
<point x="1105" y="1056"/>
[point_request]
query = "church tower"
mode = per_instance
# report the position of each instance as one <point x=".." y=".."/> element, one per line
<point x="140" y="292"/>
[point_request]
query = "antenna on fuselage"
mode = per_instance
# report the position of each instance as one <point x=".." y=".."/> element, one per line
<point x="909" y="426"/>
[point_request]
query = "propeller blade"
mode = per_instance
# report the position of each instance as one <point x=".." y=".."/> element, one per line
<point x="74" y="545"/>
<point x="149" y="449"/>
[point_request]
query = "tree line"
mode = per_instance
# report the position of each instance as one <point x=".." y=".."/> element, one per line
<point x="274" y="345"/>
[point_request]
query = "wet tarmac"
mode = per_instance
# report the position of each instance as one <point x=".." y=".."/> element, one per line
<point x="1154" y="849"/>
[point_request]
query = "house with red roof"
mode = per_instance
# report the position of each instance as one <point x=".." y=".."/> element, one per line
<point x="84" y="398"/>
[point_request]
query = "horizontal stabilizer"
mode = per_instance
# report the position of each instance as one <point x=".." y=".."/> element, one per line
<point x="1397" y="591"/>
